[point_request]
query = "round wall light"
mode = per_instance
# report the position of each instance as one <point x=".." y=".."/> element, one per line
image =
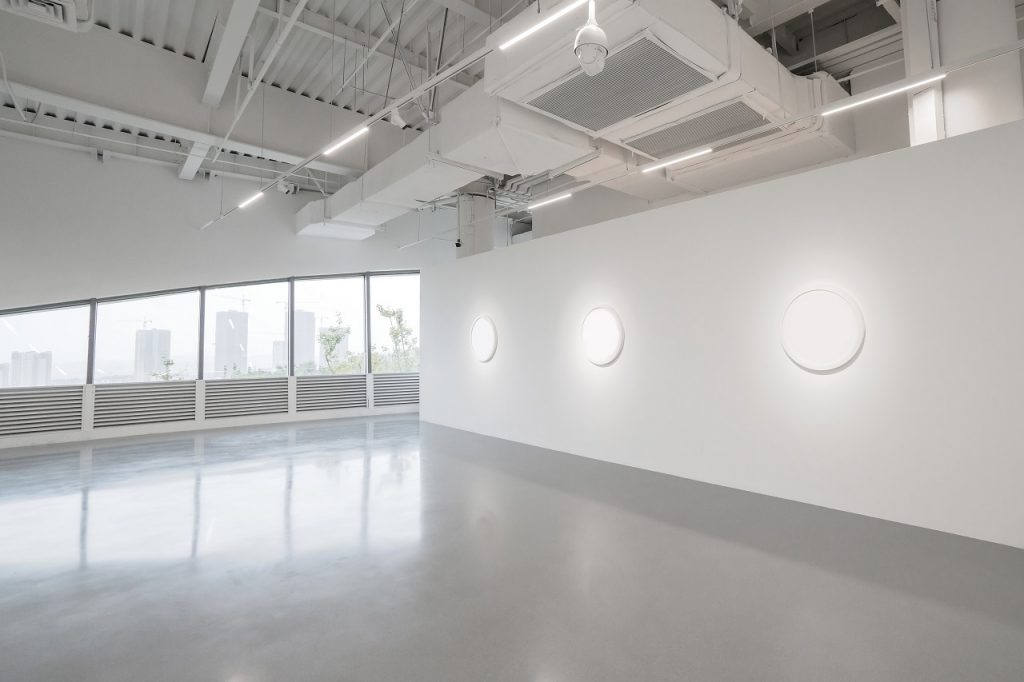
<point x="822" y="331"/>
<point x="484" y="337"/>
<point x="602" y="335"/>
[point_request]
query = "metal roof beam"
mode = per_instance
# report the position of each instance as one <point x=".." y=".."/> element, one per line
<point x="233" y="29"/>
<point x="318" y="24"/>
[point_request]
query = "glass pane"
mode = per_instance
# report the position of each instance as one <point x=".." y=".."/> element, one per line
<point x="246" y="332"/>
<point x="148" y="339"/>
<point x="395" y="323"/>
<point x="44" y="348"/>
<point x="330" y="326"/>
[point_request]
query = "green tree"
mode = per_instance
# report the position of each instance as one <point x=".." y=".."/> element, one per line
<point x="167" y="374"/>
<point x="404" y="351"/>
<point x="330" y="340"/>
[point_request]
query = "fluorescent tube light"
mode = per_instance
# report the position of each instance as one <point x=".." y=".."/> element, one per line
<point x="251" y="199"/>
<point x="542" y="23"/>
<point x="344" y="141"/>
<point x="890" y="93"/>
<point x="545" y="202"/>
<point x="678" y="159"/>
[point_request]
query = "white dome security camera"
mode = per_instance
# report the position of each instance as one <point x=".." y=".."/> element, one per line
<point x="591" y="46"/>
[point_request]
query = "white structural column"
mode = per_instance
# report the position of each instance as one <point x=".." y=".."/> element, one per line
<point x="991" y="93"/>
<point x="921" y="54"/>
<point x="233" y="30"/>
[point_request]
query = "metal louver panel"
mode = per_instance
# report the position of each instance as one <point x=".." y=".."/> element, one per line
<point x="242" y="397"/>
<point x="637" y="78"/>
<point x="37" y="410"/>
<point x="702" y="129"/>
<point x="396" y="389"/>
<point x="144" y="403"/>
<point x="330" y="392"/>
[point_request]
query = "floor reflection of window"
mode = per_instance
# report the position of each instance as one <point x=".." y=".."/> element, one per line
<point x="326" y="503"/>
<point x="147" y="522"/>
<point x="395" y="503"/>
<point x="40" y="532"/>
<point x="242" y="514"/>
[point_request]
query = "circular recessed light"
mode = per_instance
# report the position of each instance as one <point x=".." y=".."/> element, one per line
<point x="602" y="335"/>
<point x="822" y="330"/>
<point x="484" y="339"/>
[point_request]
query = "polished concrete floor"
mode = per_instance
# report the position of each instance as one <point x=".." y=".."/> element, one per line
<point x="390" y="550"/>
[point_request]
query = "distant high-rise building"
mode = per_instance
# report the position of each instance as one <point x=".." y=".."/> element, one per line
<point x="31" y="368"/>
<point x="280" y="353"/>
<point x="152" y="349"/>
<point x="231" y="344"/>
<point x="5" y="375"/>
<point x="305" y="338"/>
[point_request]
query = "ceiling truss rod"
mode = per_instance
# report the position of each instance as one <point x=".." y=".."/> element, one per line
<point x="254" y="86"/>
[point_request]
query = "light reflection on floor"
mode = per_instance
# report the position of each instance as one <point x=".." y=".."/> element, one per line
<point x="385" y="549"/>
<point x="192" y="498"/>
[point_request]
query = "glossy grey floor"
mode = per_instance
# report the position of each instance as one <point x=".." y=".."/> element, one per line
<point x="389" y="550"/>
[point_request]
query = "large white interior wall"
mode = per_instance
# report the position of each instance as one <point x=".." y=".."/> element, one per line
<point x="72" y="228"/>
<point x="924" y="428"/>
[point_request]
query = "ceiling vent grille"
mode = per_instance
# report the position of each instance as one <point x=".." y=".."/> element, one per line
<point x="396" y="389"/>
<point x="148" y="403"/>
<point x="330" y="392"/>
<point x="244" y="397"/>
<point x="698" y="131"/>
<point x="639" y="77"/>
<point x="37" y="410"/>
<point x="63" y="13"/>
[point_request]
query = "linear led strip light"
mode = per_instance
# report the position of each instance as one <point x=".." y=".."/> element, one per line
<point x="345" y="140"/>
<point x="251" y="199"/>
<point x="678" y="159"/>
<point x="545" y="202"/>
<point x="890" y="93"/>
<point x="542" y="23"/>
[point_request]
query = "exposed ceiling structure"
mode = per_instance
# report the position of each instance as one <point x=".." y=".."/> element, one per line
<point x="179" y="82"/>
<point x="356" y="54"/>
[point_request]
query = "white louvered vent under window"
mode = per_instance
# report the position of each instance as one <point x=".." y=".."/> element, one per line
<point x="637" y="78"/>
<point x="144" y="403"/>
<point x="242" y="397"/>
<point x="330" y="392"/>
<point x="702" y="129"/>
<point x="37" y="410"/>
<point x="396" y="389"/>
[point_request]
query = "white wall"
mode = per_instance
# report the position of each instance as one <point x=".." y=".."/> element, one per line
<point x="74" y="228"/>
<point x="596" y="204"/>
<point x="924" y="428"/>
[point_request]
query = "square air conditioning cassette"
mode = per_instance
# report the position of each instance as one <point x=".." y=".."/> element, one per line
<point x="72" y="15"/>
<point x="651" y="63"/>
<point x="680" y="74"/>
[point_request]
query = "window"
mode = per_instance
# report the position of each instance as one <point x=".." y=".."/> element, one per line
<point x="330" y="326"/>
<point x="44" y="347"/>
<point x="246" y="331"/>
<point x="395" y="323"/>
<point x="148" y="339"/>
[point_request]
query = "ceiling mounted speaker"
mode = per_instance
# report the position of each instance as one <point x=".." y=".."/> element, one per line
<point x="602" y="336"/>
<point x="484" y="338"/>
<point x="822" y="331"/>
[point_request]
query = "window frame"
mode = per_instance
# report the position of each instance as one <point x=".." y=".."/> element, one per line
<point x="92" y="304"/>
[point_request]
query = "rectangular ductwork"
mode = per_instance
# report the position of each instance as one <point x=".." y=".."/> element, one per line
<point x="680" y="75"/>
<point x="72" y="15"/>
<point x="478" y="135"/>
